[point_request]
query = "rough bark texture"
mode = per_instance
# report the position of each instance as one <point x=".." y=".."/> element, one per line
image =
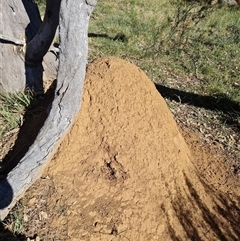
<point x="20" y="21"/>
<point x="12" y="71"/>
<point x="74" y="18"/>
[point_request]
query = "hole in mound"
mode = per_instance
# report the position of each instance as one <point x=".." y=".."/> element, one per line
<point x="113" y="170"/>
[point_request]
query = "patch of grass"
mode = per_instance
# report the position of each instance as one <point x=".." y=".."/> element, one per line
<point x="15" y="220"/>
<point x="41" y="6"/>
<point x="205" y="43"/>
<point x="184" y="39"/>
<point x="12" y="109"/>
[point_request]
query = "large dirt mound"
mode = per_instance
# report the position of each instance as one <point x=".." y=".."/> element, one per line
<point x="124" y="171"/>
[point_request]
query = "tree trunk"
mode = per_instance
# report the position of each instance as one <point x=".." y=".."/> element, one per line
<point x="21" y="23"/>
<point x="74" y="19"/>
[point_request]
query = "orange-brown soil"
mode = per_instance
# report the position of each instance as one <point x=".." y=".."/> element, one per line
<point x="124" y="171"/>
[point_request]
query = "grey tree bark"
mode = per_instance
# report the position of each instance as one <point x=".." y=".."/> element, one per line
<point x="74" y="19"/>
<point x="24" y="40"/>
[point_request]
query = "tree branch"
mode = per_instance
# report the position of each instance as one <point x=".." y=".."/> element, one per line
<point x="12" y="40"/>
<point x="39" y="45"/>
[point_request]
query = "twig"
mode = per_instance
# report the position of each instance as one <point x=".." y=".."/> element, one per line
<point x="12" y="40"/>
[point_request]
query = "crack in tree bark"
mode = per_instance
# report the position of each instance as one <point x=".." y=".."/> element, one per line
<point x="12" y="40"/>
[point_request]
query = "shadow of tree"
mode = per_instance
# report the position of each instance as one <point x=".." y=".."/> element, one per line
<point x="6" y="194"/>
<point x="219" y="102"/>
<point x="34" y="119"/>
<point x="6" y="235"/>
<point x="229" y="110"/>
<point x="222" y="222"/>
<point x="120" y="37"/>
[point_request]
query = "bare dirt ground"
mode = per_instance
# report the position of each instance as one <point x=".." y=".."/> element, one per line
<point x="126" y="171"/>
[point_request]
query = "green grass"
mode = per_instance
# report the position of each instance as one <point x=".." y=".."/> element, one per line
<point x="41" y="6"/>
<point x="14" y="223"/>
<point x="187" y="39"/>
<point x="168" y="39"/>
<point x="12" y="109"/>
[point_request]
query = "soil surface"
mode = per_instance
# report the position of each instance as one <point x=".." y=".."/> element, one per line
<point x="125" y="172"/>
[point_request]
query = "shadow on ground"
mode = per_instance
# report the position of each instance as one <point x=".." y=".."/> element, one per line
<point x="34" y="119"/>
<point x="6" y="235"/>
<point x="229" y="111"/>
<point x="120" y="37"/>
<point x="222" y="222"/>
